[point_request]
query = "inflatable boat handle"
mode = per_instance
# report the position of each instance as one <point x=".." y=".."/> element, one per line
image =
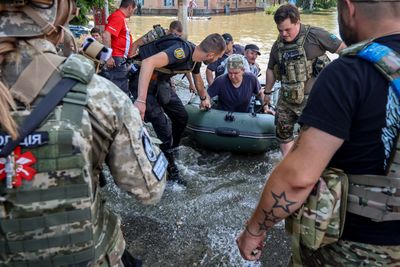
<point x="229" y="132"/>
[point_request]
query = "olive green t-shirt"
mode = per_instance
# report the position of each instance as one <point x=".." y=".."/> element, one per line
<point x="317" y="42"/>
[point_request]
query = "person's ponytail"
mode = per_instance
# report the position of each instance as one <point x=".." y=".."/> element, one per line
<point x="6" y="104"/>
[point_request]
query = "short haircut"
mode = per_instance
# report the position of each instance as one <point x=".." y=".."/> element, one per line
<point x="287" y="11"/>
<point x="176" y="25"/>
<point x="127" y="3"/>
<point x="95" y="30"/>
<point x="213" y="43"/>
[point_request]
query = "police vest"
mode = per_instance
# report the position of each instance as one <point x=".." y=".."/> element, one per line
<point x="152" y="48"/>
<point x="376" y="196"/>
<point x="294" y="69"/>
<point x="54" y="215"/>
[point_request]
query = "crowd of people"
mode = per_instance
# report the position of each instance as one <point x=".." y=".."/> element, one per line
<point x="63" y="122"/>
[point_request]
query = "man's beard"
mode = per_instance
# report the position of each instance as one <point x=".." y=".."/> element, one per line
<point x="206" y="62"/>
<point x="348" y="36"/>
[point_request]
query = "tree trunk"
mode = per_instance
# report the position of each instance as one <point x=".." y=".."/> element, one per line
<point x="308" y="5"/>
<point x="182" y="16"/>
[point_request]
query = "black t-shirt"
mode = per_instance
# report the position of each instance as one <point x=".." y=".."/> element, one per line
<point x="352" y="101"/>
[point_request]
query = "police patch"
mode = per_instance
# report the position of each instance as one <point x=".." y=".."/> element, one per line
<point x="148" y="146"/>
<point x="179" y="53"/>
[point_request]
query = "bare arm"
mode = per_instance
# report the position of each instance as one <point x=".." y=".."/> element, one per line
<point x="209" y="76"/>
<point x="288" y="186"/>
<point x="135" y="46"/>
<point x="192" y="87"/>
<point x="146" y="71"/>
<point x="269" y="84"/>
<point x="201" y="90"/>
<point x="107" y="42"/>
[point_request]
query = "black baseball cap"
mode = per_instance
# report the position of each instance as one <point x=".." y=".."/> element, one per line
<point x="253" y="47"/>
<point x="227" y="37"/>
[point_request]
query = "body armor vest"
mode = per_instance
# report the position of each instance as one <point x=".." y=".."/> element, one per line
<point x="377" y="196"/>
<point x="56" y="216"/>
<point x="152" y="48"/>
<point x="294" y="69"/>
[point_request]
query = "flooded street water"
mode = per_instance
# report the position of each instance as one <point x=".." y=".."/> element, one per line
<point x="197" y="225"/>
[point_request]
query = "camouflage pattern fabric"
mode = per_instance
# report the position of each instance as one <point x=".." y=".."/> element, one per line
<point x="235" y="61"/>
<point x="110" y="131"/>
<point x="349" y="254"/>
<point x="286" y="117"/>
<point x="156" y="33"/>
<point x="320" y="220"/>
<point x="19" y="24"/>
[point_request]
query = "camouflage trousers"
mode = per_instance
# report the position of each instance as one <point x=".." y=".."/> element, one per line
<point x="286" y="117"/>
<point x="347" y="253"/>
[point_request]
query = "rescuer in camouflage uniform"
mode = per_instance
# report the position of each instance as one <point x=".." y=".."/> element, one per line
<point x="296" y="58"/>
<point x="51" y="209"/>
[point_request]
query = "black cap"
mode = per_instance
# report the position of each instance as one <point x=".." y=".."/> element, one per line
<point x="253" y="47"/>
<point x="228" y="38"/>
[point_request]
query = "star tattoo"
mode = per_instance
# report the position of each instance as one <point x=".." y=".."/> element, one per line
<point x="282" y="202"/>
<point x="269" y="216"/>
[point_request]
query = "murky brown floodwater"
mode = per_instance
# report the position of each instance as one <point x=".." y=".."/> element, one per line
<point x="197" y="225"/>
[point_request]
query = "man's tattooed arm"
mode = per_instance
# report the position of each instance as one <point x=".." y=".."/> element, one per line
<point x="281" y="203"/>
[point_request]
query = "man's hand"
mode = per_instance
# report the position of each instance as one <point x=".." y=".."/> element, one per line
<point x="110" y="63"/>
<point x="250" y="246"/>
<point x="205" y="104"/>
<point x="141" y="106"/>
<point x="267" y="109"/>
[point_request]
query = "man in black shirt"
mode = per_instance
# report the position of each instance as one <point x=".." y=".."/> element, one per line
<point x="160" y="60"/>
<point x="351" y="122"/>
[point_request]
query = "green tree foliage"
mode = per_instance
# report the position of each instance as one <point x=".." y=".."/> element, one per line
<point x="86" y="8"/>
<point x="312" y="4"/>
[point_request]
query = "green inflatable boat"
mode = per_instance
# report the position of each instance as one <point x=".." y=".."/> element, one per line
<point x="221" y="130"/>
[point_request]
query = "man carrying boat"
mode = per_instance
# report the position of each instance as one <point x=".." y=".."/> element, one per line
<point x="296" y="58"/>
<point x="350" y="124"/>
<point x="236" y="88"/>
<point x="159" y="61"/>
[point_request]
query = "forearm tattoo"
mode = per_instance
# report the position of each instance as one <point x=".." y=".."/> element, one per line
<point x="281" y="203"/>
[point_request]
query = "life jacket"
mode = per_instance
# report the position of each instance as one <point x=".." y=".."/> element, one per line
<point x="154" y="47"/>
<point x="376" y="196"/>
<point x="294" y="69"/>
<point x="54" y="214"/>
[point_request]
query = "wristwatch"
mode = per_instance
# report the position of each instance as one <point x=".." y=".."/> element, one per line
<point x="202" y="98"/>
<point x="267" y="93"/>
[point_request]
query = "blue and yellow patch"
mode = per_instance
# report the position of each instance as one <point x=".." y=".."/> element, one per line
<point x="179" y="53"/>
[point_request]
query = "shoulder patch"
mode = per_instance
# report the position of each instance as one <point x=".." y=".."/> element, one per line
<point x="179" y="53"/>
<point x="148" y="145"/>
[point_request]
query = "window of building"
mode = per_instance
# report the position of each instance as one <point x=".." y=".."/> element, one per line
<point x="169" y="3"/>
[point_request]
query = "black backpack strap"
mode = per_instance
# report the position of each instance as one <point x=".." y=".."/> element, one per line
<point x="40" y="113"/>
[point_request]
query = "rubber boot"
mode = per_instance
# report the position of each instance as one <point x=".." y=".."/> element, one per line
<point x="172" y="169"/>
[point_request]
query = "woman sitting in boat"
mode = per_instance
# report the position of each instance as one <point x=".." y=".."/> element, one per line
<point x="236" y="88"/>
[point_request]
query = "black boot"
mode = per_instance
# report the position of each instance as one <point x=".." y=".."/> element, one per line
<point x="172" y="170"/>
